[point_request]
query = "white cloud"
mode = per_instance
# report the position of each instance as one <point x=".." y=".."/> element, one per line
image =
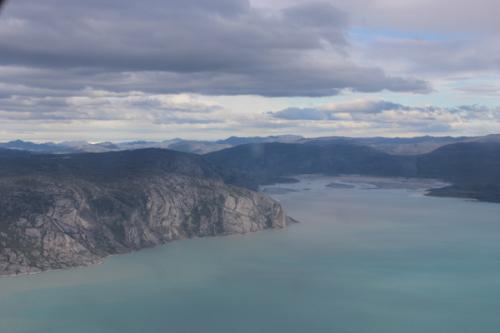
<point x="379" y="116"/>
<point x="185" y="68"/>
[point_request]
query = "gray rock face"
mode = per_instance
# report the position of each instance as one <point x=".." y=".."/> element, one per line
<point x="52" y="223"/>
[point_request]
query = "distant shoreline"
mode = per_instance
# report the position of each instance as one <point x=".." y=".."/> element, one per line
<point x="428" y="186"/>
<point x="360" y="182"/>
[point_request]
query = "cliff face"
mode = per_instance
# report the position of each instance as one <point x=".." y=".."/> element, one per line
<point x="49" y="222"/>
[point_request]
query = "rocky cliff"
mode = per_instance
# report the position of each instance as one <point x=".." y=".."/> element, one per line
<point x="51" y="220"/>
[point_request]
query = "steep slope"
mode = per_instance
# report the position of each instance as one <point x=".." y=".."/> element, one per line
<point x="68" y="210"/>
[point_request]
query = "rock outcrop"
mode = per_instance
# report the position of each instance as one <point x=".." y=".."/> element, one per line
<point x="54" y="221"/>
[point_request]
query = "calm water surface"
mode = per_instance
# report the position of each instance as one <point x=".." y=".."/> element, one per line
<point x="362" y="260"/>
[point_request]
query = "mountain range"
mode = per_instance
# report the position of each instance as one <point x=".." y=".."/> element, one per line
<point x="397" y="146"/>
<point x="62" y="207"/>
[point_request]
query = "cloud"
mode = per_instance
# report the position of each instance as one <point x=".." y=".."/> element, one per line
<point x="440" y="58"/>
<point x="480" y="90"/>
<point x="223" y="47"/>
<point x="430" y="39"/>
<point x="111" y="69"/>
<point x="363" y="106"/>
<point x="316" y="14"/>
<point x="94" y="105"/>
<point x="303" y="114"/>
<point x="415" y="15"/>
<point x="336" y="111"/>
<point x="388" y="116"/>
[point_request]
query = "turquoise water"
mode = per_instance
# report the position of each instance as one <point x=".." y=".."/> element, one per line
<point x="361" y="261"/>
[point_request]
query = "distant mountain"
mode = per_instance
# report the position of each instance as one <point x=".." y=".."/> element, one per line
<point x="82" y="146"/>
<point x="492" y="138"/>
<point x="255" y="164"/>
<point x="472" y="167"/>
<point x="236" y="141"/>
<point x="60" y="211"/>
<point x="68" y="147"/>
<point x="422" y="145"/>
<point x="197" y="147"/>
<point x="394" y="146"/>
<point x="472" y="162"/>
<point x="49" y="148"/>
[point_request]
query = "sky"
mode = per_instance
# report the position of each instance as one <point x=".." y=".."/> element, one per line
<point x="121" y="70"/>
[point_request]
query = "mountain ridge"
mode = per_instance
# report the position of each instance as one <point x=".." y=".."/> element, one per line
<point x="391" y="145"/>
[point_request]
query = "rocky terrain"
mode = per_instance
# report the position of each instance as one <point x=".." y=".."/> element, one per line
<point x="54" y="214"/>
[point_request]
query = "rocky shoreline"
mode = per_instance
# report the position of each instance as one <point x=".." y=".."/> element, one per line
<point x="83" y="223"/>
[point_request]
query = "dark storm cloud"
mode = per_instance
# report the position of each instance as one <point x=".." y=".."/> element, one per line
<point x="210" y="47"/>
